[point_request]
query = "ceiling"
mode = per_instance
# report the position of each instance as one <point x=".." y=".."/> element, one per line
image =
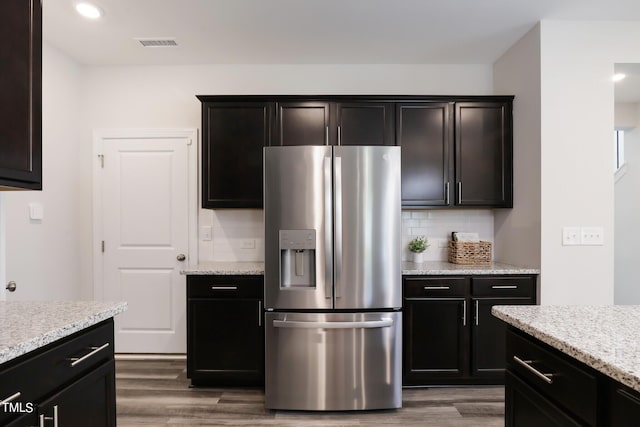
<point x="310" y="31"/>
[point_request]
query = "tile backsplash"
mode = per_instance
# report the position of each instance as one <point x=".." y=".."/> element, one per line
<point x="234" y="232"/>
<point x="437" y="225"/>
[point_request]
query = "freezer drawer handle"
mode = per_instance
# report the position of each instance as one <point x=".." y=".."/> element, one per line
<point x="504" y="287"/>
<point x="548" y="378"/>
<point x="95" y="350"/>
<point x="437" y="288"/>
<point x="224" y="288"/>
<point x="384" y="323"/>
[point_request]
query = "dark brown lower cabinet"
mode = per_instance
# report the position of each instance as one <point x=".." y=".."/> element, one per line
<point x="572" y="394"/>
<point x="529" y="408"/>
<point x="450" y="336"/>
<point x="68" y="383"/>
<point x="225" y="333"/>
<point x="87" y="402"/>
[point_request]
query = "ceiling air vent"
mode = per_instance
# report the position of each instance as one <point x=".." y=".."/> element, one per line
<point x="157" y="42"/>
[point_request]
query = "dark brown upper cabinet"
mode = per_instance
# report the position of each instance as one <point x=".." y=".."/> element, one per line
<point x="456" y="150"/>
<point x="302" y="123"/>
<point x="365" y="123"/>
<point x="233" y="136"/>
<point x="424" y="132"/>
<point x="21" y="89"/>
<point x="334" y="123"/>
<point x="483" y="148"/>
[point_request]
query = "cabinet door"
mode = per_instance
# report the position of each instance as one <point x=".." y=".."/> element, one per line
<point x="483" y="154"/>
<point x="90" y="401"/>
<point x="21" y="89"/>
<point x="434" y="340"/>
<point x="423" y="130"/>
<point x="624" y="410"/>
<point x="234" y="134"/>
<point x="525" y="407"/>
<point x="303" y="123"/>
<point x="365" y="123"/>
<point x="488" y="336"/>
<point x="225" y="341"/>
<point x="26" y="420"/>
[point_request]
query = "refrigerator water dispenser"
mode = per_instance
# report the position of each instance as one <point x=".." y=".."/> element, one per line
<point x="297" y="258"/>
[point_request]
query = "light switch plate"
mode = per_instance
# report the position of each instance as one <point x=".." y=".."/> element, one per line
<point x="205" y="233"/>
<point x="36" y="211"/>
<point x="592" y="235"/>
<point x="571" y="236"/>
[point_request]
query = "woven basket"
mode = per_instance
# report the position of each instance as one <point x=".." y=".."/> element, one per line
<point x="470" y="252"/>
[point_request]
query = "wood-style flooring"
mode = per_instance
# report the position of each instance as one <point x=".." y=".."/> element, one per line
<point x="157" y="393"/>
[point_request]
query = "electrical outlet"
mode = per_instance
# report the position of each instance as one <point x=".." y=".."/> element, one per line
<point x="571" y="236"/>
<point x="247" y="244"/>
<point x="592" y="235"/>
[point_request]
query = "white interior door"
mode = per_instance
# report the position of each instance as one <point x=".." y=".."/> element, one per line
<point x="145" y="230"/>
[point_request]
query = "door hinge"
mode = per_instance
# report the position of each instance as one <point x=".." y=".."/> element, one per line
<point x="101" y="157"/>
<point x="102" y="246"/>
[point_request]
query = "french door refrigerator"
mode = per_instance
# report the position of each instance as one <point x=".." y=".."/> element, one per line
<point x="333" y="296"/>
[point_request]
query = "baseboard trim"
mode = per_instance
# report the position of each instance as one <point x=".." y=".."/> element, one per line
<point x="149" y="356"/>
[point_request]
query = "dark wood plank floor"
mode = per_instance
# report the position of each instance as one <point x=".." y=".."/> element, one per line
<point x="157" y="393"/>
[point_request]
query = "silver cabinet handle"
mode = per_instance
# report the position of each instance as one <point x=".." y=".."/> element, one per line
<point x="10" y="398"/>
<point x="181" y="257"/>
<point x="259" y="313"/>
<point x="436" y="288"/>
<point x="446" y="193"/>
<point x="95" y="350"/>
<point x="504" y="287"/>
<point x="326" y="135"/>
<point x="54" y="418"/>
<point x="328" y="227"/>
<point x="338" y="225"/>
<point x="464" y="313"/>
<point x="383" y="323"/>
<point x="11" y="286"/>
<point x="459" y="192"/>
<point x="548" y="378"/>
<point x="224" y="288"/>
<point x="477" y="317"/>
<point x="339" y="135"/>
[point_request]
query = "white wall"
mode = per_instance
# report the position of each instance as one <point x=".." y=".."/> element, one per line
<point x="577" y="95"/>
<point x="627" y="206"/>
<point x="517" y="230"/>
<point x="148" y="97"/>
<point x="46" y="258"/>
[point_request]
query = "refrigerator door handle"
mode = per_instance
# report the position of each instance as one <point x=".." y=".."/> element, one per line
<point x="382" y="323"/>
<point x="338" y="226"/>
<point x="328" y="229"/>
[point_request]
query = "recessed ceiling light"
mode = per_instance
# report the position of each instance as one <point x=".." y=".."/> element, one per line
<point x="89" y="10"/>
<point x="618" y="76"/>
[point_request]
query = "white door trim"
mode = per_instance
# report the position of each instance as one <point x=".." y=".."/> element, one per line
<point x="101" y="135"/>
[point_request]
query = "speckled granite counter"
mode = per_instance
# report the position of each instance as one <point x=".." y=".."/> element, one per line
<point x="225" y="268"/>
<point x="408" y="268"/>
<point x="433" y="268"/>
<point x="29" y="325"/>
<point x="607" y="338"/>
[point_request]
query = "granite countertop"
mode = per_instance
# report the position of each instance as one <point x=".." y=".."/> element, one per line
<point x="606" y="338"/>
<point x="225" y="268"/>
<point x="408" y="268"/>
<point x="433" y="268"/>
<point x="29" y="325"/>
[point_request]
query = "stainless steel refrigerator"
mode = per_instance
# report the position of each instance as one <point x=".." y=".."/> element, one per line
<point x="333" y="325"/>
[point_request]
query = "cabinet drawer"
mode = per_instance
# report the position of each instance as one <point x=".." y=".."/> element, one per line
<point x="565" y="383"/>
<point x="62" y="363"/>
<point x="435" y="287"/>
<point x="507" y="286"/>
<point x="225" y="286"/>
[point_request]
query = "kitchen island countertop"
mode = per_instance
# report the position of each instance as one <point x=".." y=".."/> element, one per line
<point x="429" y="268"/>
<point x="606" y="338"/>
<point x="29" y="325"/>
